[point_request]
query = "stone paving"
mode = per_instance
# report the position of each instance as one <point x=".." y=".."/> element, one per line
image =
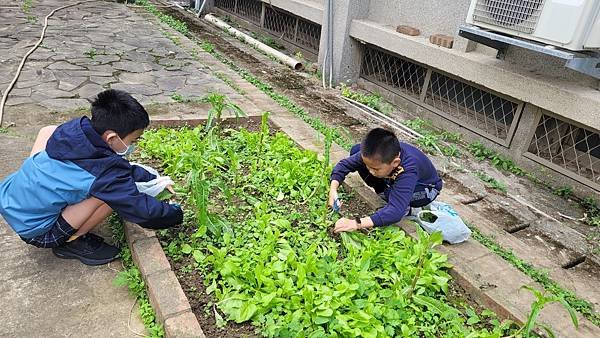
<point x="92" y="47"/>
<point x="88" y="48"/>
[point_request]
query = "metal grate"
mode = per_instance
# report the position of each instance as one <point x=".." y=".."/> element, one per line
<point x="518" y="15"/>
<point x="393" y="72"/>
<point x="573" y="148"/>
<point x="226" y="5"/>
<point x="279" y="23"/>
<point x="473" y="106"/>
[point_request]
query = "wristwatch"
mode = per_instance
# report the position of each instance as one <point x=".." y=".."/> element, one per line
<point x="357" y="220"/>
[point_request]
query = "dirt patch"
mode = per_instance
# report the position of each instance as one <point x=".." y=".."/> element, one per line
<point x="554" y="250"/>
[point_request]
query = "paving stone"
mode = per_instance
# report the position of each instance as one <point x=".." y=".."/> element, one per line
<point x="70" y="83"/>
<point x="15" y="101"/>
<point x="137" y="88"/>
<point x="136" y="78"/>
<point x="105" y="59"/>
<point x="132" y="67"/>
<point x="171" y="83"/>
<point x="184" y="325"/>
<point x="166" y="296"/>
<point x="41" y="76"/>
<point x="64" y="104"/>
<point x="102" y="80"/>
<point x="20" y="92"/>
<point x="63" y="65"/>
<point x="51" y="93"/>
<point x="89" y="91"/>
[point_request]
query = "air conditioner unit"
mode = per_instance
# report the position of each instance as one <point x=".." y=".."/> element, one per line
<point x="569" y="24"/>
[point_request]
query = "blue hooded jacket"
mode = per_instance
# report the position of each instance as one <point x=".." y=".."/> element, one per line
<point x="417" y="170"/>
<point x="77" y="164"/>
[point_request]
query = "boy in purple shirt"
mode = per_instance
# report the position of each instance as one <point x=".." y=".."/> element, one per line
<point x="400" y="173"/>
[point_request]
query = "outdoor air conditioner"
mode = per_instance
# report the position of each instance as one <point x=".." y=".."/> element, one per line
<point x="569" y="24"/>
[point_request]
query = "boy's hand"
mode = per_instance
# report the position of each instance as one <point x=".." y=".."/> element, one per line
<point x="171" y="190"/>
<point x="345" y="224"/>
<point x="333" y="201"/>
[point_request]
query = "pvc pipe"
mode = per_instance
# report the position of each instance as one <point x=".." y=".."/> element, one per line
<point x="285" y="59"/>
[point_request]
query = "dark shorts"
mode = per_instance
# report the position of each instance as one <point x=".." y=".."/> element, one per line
<point x="60" y="232"/>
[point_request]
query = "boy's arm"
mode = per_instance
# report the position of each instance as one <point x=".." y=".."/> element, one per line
<point x="117" y="188"/>
<point x="140" y="174"/>
<point x="346" y="166"/>
<point x="398" y="200"/>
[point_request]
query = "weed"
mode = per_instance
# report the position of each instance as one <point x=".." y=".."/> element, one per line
<point x="564" y="191"/>
<point x="541" y="300"/>
<point x="32" y="18"/>
<point x="500" y="162"/>
<point x="3" y="130"/>
<point x="432" y="140"/>
<point x="26" y="6"/>
<point x="373" y="100"/>
<point x="132" y="278"/>
<point x="229" y="82"/>
<point x="490" y="181"/>
<point x="91" y="53"/>
<point x="298" y="55"/>
<point x="267" y="40"/>
<point x="178" y="98"/>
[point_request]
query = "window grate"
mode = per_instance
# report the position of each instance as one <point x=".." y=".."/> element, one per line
<point x="570" y="147"/>
<point x="475" y="107"/>
<point x="226" y="5"/>
<point x="393" y="72"/>
<point x="277" y="22"/>
<point x="250" y="10"/>
<point x="518" y="15"/>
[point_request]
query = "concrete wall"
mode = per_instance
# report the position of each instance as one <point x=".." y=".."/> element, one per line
<point x="431" y="16"/>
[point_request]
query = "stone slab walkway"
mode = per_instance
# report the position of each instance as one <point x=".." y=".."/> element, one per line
<point x="88" y="48"/>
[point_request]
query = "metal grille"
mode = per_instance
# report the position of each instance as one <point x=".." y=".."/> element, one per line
<point x="250" y="10"/>
<point x="393" y="72"/>
<point x="281" y="24"/>
<point x="226" y="5"/>
<point x="473" y="106"/>
<point x="568" y="146"/>
<point x="518" y="15"/>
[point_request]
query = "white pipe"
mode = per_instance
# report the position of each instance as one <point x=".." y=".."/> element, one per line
<point x="201" y="7"/>
<point x="285" y="59"/>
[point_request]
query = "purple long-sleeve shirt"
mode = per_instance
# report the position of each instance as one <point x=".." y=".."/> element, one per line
<point x="418" y="169"/>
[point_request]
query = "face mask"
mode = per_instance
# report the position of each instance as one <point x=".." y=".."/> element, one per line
<point x="130" y="149"/>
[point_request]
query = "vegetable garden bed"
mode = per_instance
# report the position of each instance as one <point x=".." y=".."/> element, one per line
<point x="255" y="255"/>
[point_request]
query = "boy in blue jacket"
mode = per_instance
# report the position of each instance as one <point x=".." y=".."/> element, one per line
<point x="400" y="173"/>
<point x="77" y="175"/>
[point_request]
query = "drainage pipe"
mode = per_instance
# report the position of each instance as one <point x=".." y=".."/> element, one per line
<point x="285" y="59"/>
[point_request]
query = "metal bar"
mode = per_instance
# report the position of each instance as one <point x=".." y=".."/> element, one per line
<point x="425" y="85"/>
<point x="510" y="133"/>
<point x="296" y="30"/>
<point x="262" y="15"/>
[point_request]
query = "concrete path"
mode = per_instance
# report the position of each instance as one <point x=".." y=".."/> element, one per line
<point x="88" y="48"/>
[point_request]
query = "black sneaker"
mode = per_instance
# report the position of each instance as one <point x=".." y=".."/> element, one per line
<point x="90" y="249"/>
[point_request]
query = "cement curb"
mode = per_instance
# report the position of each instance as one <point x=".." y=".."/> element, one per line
<point x="170" y="304"/>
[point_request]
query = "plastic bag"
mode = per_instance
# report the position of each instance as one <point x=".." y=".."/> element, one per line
<point x="155" y="186"/>
<point x="442" y="217"/>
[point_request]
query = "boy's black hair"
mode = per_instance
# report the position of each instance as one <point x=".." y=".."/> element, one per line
<point x="381" y="145"/>
<point x="118" y="111"/>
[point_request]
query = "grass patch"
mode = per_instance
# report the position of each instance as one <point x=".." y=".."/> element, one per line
<point x="229" y="82"/>
<point x="490" y="181"/>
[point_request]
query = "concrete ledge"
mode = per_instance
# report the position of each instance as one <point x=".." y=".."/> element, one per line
<point x="563" y="98"/>
<point x="309" y="10"/>
<point x="172" y="307"/>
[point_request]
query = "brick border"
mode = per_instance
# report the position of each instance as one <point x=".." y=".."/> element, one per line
<point x="172" y="307"/>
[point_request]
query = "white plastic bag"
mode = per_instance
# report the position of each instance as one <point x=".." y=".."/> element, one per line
<point x="155" y="186"/>
<point x="446" y="220"/>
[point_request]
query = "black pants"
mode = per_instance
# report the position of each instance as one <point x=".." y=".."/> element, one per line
<point x="422" y="195"/>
